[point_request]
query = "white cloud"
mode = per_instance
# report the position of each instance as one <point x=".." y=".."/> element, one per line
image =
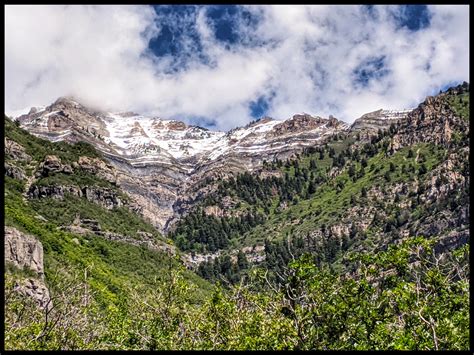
<point x="89" y="51"/>
<point x="99" y="54"/>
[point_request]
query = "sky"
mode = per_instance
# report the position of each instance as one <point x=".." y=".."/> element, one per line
<point x="222" y="66"/>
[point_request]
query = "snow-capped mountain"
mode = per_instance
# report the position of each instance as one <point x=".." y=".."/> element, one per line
<point x="140" y="139"/>
<point x="160" y="161"/>
<point x="372" y="121"/>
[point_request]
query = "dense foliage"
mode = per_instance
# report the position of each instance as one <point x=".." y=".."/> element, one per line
<point x="406" y="297"/>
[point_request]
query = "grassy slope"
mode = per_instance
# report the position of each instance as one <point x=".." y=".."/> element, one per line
<point x="114" y="265"/>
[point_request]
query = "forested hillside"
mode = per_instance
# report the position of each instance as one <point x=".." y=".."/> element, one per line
<point x="361" y="243"/>
<point x="351" y="194"/>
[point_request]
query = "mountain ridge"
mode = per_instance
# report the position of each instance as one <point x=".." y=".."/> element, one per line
<point x="160" y="162"/>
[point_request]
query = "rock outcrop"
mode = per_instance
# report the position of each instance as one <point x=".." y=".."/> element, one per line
<point x="56" y="192"/>
<point x="102" y="196"/>
<point x="37" y="290"/>
<point x="14" y="172"/>
<point x="51" y="165"/>
<point x="23" y="251"/>
<point x="26" y="252"/>
<point x="97" y="167"/>
<point x="15" y="151"/>
<point x="433" y="121"/>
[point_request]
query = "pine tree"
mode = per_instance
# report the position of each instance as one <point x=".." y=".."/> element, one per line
<point x="422" y="170"/>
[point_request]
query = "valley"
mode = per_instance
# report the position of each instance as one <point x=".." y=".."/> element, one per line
<point x="269" y="217"/>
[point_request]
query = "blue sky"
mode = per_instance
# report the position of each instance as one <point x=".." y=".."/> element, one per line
<point x="223" y="65"/>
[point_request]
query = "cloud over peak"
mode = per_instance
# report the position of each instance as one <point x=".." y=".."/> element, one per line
<point x="223" y="65"/>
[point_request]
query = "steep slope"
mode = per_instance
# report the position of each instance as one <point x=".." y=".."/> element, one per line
<point x="159" y="162"/>
<point x="371" y="122"/>
<point x="66" y="198"/>
<point x="319" y="243"/>
<point x="348" y="195"/>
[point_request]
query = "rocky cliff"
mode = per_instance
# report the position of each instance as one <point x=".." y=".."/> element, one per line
<point x="163" y="165"/>
<point x="24" y="251"/>
<point x="159" y="162"/>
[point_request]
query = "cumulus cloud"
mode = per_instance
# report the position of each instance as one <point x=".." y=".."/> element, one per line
<point x="339" y="60"/>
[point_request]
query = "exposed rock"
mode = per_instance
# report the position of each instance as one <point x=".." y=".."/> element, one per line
<point x="176" y="125"/>
<point x="432" y="121"/>
<point x="15" y="151"/>
<point x="23" y="250"/>
<point x="98" y="167"/>
<point x="452" y="240"/>
<point x="36" y="289"/>
<point x="145" y="235"/>
<point x="91" y="224"/>
<point x="102" y="196"/>
<point x="255" y="254"/>
<point x="56" y="192"/>
<point x="138" y="130"/>
<point x="14" y="172"/>
<point x="370" y="123"/>
<point x="52" y="164"/>
<point x="224" y="209"/>
<point x="301" y="122"/>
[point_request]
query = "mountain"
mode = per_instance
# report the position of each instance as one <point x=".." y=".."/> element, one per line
<point x="352" y="193"/>
<point x="169" y="169"/>
<point x="159" y="161"/>
<point x="63" y="194"/>
<point x="317" y="234"/>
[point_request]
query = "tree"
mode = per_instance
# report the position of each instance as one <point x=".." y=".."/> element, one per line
<point x="351" y="171"/>
<point x="422" y="170"/>
<point x="242" y="262"/>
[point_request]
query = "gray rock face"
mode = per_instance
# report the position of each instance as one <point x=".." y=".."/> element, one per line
<point x="14" y="172"/>
<point x="15" y="151"/>
<point x="91" y="224"/>
<point x="371" y="122"/>
<point x="98" y="167"/>
<point x="52" y="164"/>
<point x="35" y="289"/>
<point x="432" y="121"/>
<point x="24" y="251"/>
<point x="104" y="197"/>
<point x="56" y="192"/>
